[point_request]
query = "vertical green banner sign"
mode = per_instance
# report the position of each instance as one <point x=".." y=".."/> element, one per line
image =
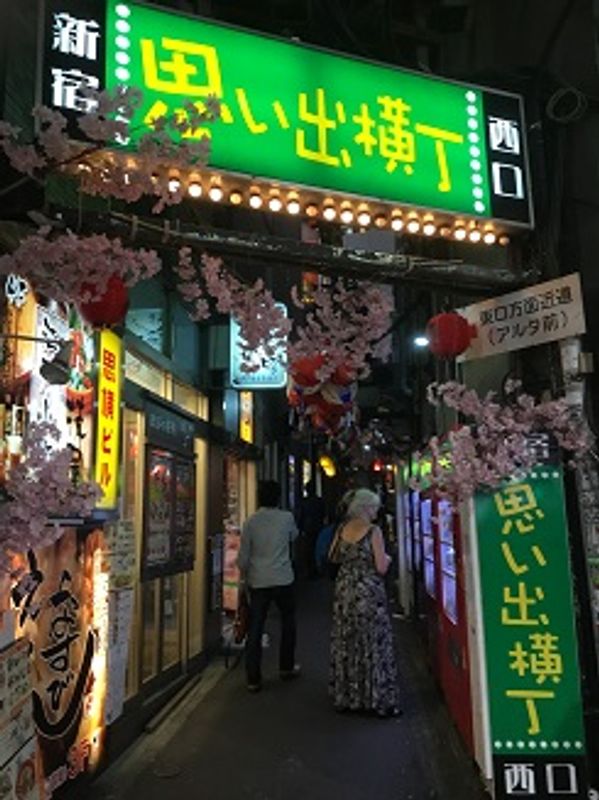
<point x="531" y="652"/>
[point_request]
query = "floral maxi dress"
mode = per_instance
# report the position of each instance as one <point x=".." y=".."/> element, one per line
<point x="363" y="672"/>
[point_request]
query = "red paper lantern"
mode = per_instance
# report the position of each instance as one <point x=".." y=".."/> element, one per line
<point x="449" y="334"/>
<point x="294" y="398"/>
<point x="316" y="403"/>
<point x="111" y="308"/>
<point x="343" y="375"/>
<point x="304" y="370"/>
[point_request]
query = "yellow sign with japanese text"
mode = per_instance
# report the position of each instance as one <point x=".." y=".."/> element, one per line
<point x="108" y="425"/>
<point x="246" y="416"/>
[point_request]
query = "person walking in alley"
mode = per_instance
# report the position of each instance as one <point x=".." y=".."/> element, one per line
<point x="310" y="520"/>
<point x="266" y="571"/>
<point x="363" y="672"/>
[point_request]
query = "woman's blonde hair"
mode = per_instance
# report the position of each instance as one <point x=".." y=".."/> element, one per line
<point x="362" y="499"/>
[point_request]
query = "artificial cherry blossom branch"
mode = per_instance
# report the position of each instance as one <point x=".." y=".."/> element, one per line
<point x="494" y="444"/>
<point x="38" y="489"/>
<point x="348" y="326"/>
<point x="263" y="325"/>
<point x="70" y="268"/>
<point x="107" y="123"/>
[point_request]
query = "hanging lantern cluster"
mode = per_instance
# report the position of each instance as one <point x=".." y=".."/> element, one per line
<point x="327" y="405"/>
<point x="449" y="334"/>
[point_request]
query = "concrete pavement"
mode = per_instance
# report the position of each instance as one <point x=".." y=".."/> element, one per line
<point x="287" y="743"/>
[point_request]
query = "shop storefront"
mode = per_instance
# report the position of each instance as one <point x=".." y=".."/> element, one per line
<point x="61" y="385"/>
<point x="115" y="610"/>
<point x="164" y="508"/>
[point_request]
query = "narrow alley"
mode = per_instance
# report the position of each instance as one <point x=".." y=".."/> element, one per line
<point x="287" y="742"/>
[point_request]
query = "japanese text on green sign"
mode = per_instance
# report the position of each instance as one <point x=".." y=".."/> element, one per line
<point x="532" y="664"/>
<point x="309" y="117"/>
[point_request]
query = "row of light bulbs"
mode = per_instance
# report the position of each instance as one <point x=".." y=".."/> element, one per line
<point x="346" y="214"/>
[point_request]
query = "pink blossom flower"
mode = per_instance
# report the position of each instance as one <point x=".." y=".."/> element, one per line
<point x="72" y="268"/>
<point x="496" y="445"/>
<point x="38" y="489"/>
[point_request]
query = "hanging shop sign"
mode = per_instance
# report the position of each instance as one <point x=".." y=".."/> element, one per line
<point x="169" y="512"/>
<point x="246" y="417"/>
<point x="320" y="120"/>
<point x="47" y="336"/>
<point x="166" y="428"/>
<point x="535" y="315"/>
<point x="61" y="602"/>
<point x="108" y="418"/>
<point x="261" y="371"/>
<point x="536" y="722"/>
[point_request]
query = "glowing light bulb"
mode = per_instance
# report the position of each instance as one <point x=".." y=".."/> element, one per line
<point x="489" y="238"/>
<point x="413" y="226"/>
<point x="475" y="235"/>
<point x="275" y="203"/>
<point x="364" y="218"/>
<point x="397" y="222"/>
<point x="421" y="341"/>
<point x="194" y="189"/>
<point x="380" y="221"/>
<point x="460" y="234"/>
<point x="329" y="213"/>
<point x="236" y="198"/>
<point x="346" y="216"/>
<point x="256" y="200"/>
<point x="504" y="240"/>
<point x="293" y="206"/>
<point x="311" y="210"/>
<point x="429" y="229"/>
<point x="215" y="193"/>
<point x="174" y="185"/>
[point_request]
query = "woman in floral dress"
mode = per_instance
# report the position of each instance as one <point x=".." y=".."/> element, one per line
<point x="363" y="674"/>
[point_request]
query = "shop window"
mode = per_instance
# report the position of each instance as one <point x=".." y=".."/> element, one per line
<point x="197" y="578"/>
<point x="145" y="374"/>
<point x="428" y="546"/>
<point x="150" y="617"/>
<point x="131" y="512"/>
<point x="185" y="339"/>
<point x="172" y="616"/>
<point x="185" y="397"/>
<point x="147" y="313"/>
<point x="231" y="411"/>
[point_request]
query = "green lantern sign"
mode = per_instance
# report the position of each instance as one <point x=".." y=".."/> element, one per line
<point x="301" y="115"/>
<point x="531" y="652"/>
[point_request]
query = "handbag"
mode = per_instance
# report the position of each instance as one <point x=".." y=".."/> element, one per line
<point x="334" y="556"/>
<point x="241" y="623"/>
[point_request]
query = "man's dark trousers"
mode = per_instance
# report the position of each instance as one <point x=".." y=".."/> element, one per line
<point x="260" y="600"/>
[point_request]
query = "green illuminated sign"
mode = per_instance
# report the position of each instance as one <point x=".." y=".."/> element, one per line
<point x="312" y="118"/>
<point x="532" y="663"/>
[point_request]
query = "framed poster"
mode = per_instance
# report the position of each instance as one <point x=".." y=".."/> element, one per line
<point x="158" y="511"/>
<point x="184" y="530"/>
<point x="169" y="518"/>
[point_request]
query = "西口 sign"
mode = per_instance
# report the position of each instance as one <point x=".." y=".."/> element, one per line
<point x="535" y="315"/>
